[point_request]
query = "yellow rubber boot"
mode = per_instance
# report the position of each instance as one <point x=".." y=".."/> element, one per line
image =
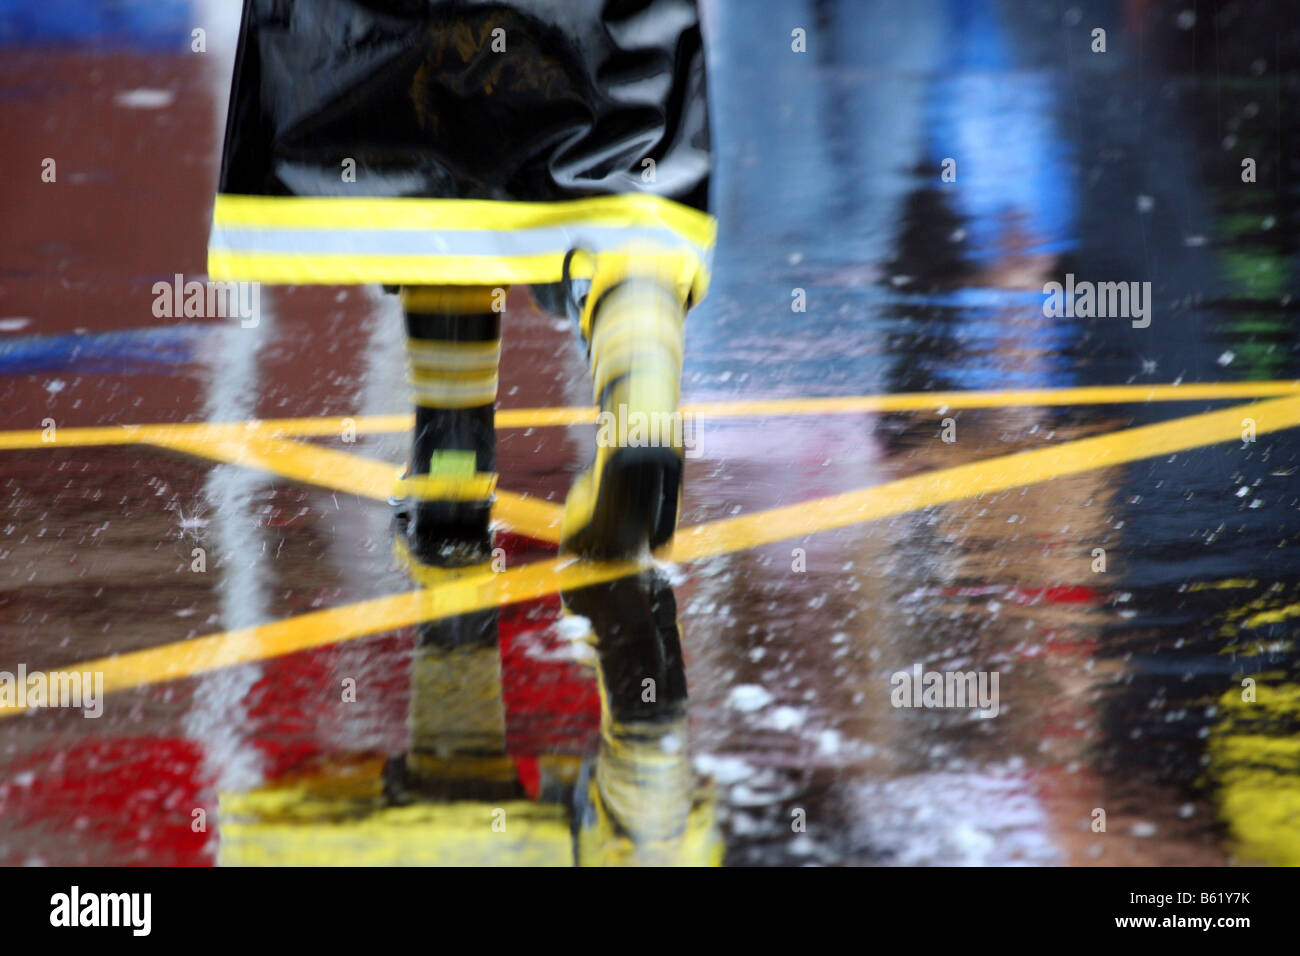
<point x="627" y="502"/>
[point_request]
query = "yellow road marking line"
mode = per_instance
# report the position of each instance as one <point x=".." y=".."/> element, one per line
<point x="312" y="464"/>
<point x="157" y="434"/>
<point x="317" y="628"/>
<point x="341" y="471"/>
<point x="995" y="474"/>
<point x="529" y="515"/>
<point x="748" y="408"/>
<point x="375" y="616"/>
<point x="1042" y="397"/>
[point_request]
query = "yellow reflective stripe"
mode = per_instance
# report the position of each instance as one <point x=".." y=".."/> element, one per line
<point x="691" y="273"/>
<point x="635" y="346"/>
<point x="451" y="300"/>
<point x="643" y="366"/>
<point x="637" y="328"/>
<point x="458" y="381"/>
<point x="434" y="488"/>
<point x="672" y="268"/>
<point x="636" y="332"/>
<point x="429" y="355"/>
<point x="360" y="269"/>
<point x="338" y="212"/>
<point x="454" y="365"/>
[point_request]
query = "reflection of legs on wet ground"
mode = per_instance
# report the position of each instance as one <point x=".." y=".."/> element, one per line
<point x="453" y="347"/>
<point x="641" y="805"/>
<point x="457" y="714"/>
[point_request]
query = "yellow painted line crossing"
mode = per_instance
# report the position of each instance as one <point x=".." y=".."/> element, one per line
<point x="982" y="477"/>
<point x="529" y="515"/>
<point x="745" y="408"/>
<point x="1045" y="397"/>
<point x="341" y="471"/>
<point x="305" y="631"/>
<point x="311" y="464"/>
<point x="187" y="658"/>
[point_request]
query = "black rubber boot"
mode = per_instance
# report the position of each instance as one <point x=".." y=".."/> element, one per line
<point x="443" y="503"/>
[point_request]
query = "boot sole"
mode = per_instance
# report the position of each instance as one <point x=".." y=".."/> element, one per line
<point x="435" y="530"/>
<point x="636" y="505"/>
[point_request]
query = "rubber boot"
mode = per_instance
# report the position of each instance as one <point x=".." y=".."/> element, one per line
<point x="627" y="502"/>
<point x="444" y="500"/>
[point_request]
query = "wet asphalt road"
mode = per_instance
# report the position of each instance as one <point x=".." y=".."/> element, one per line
<point x="776" y="741"/>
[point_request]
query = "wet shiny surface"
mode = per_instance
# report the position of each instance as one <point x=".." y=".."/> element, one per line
<point x="774" y="740"/>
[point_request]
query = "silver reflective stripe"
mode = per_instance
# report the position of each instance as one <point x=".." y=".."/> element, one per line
<point x="431" y="356"/>
<point x="454" y="393"/>
<point x="443" y="242"/>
